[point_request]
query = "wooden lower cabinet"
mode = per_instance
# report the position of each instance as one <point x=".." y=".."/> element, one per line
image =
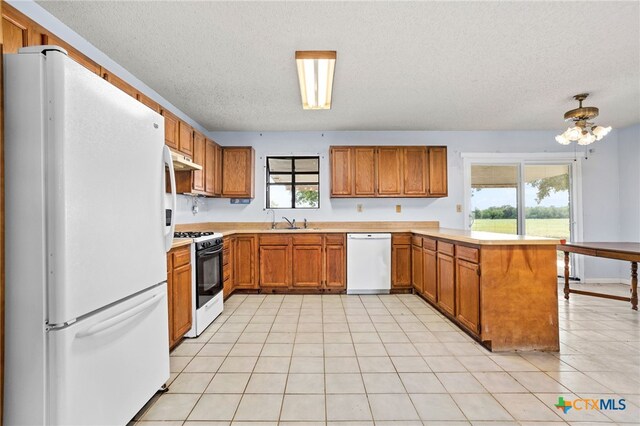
<point x="468" y="294"/>
<point x="307" y="265"/>
<point x="245" y="249"/>
<point x="429" y="274"/>
<point x="179" y="288"/>
<point x="401" y="274"/>
<point x="446" y="283"/>
<point x="227" y="266"/>
<point x="275" y="265"/>
<point x="335" y="261"/>
<point x="416" y="268"/>
<point x="302" y="262"/>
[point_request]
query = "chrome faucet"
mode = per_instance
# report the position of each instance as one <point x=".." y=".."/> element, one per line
<point x="273" y="218"/>
<point x="292" y="223"/>
<point x="306" y="225"/>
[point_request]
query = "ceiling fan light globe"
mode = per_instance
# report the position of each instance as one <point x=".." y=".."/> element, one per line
<point x="562" y="139"/>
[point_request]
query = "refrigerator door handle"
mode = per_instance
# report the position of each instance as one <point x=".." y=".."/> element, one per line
<point x="121" y="317"/>
<point x="168" y="161"/>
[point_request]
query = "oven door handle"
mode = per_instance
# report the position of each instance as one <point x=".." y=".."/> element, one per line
<point x="208" y="252"/>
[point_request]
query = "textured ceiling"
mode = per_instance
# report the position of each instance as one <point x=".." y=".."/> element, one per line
<point x="401" y="65"/>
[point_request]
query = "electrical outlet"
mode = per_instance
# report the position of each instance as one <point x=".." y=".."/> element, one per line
<point x="398" y="208"/>
<point x="359" y="208"/>
<point x="459" y="208"/>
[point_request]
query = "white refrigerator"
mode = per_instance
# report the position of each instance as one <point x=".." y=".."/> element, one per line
<point x="87" y="232"/>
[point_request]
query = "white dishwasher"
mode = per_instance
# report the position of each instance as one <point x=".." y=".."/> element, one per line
<point x="368" y="263"/>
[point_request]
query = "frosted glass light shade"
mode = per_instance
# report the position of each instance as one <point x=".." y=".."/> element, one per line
<point x="562" y="139"/>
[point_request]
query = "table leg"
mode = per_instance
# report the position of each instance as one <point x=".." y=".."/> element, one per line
<point x="566" y="275"/>
<point x="634" y="286"/>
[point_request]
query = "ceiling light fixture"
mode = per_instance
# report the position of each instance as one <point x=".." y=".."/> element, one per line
<point x="583" y="131"/>
<point x="315" y="74"/>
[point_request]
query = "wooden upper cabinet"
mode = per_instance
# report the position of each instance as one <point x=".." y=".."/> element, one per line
<point x="185" y="139"/>
<point x="17" y="31"/>
<point x="365" y="171"/>
<point x="438" y="186"/>
<point x="217" y="180"/>
<point x="415" y="170"/>
<point x="73" y="53"/>
<point x="238" y="172"/>
<point x="170" y="129"/>
<point x="120" y="84"/>
<point x="389" y="171"/>
<point x="209" y="165"/>
<point x="148" y="102"/>
<point x="341" y="172"/>
<point x="245" y="261"/>
<point x="198" y="176"/>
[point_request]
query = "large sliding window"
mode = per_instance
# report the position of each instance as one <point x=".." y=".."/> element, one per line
<point x="293" y="183"/>
<point x="533" y="196"/>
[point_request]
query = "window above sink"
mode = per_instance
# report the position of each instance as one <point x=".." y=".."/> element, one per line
<point x="292" y="182"/>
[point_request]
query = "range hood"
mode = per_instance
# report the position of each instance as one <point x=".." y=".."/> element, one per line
<point x="181" y="163"/>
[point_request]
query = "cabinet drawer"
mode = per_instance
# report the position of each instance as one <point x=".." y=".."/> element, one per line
<point x="299" y="240"/>
<point x="334" y="239"/>
<point x="445" y="248"/>
<point x="182" y="256"/>
<point x="429" y="244"/>
<point x="468" y="253"/>
<point x="275" y="240"/>
<point x="416" y="241"/>
<point x="398" y="239"/>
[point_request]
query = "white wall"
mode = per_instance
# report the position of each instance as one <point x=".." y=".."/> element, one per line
<point x="629" y="188"/>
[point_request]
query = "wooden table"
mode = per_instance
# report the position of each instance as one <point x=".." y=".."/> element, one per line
<point x="619" y="251"/>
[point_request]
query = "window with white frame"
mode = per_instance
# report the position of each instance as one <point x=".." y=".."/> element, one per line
<point x="293" y="182"/>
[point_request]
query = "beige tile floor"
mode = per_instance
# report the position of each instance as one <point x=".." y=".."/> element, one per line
<point x="393" y="359"/>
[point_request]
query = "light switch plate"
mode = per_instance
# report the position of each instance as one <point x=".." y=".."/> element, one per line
<point x="459" y="208"/>
<point x="359" y="208"/>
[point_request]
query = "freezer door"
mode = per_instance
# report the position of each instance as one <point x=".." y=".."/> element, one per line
<point x="105" y="194"/>
<point x="104" y="368"/>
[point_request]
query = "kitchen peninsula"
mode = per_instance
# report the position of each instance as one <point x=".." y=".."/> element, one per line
<point x="501" y="289"/>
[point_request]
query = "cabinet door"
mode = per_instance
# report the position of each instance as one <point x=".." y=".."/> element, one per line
<point x="148" y="102"/>
<point x="307" y="266"/>
<point x="341" y="172"/>
<point x="227" y="265"/>
<point x="244" y="256"/>
<point x="438" y="171"/>
<point x="217" y="183"/>
<point x="210" y="169"/>
<point x="401" y="266"/>
<point x="170" y="129"/>
<point x="446" y="283"/>
<point x="416" y="268"/>
<point x="275" y="266"/>
<point x="181" y="295"/>
<point x="335" y="265"/>
<point x="185" y="139"/>
<point x="468" y="294"/>
<point x="364" y="168"/>
<point x="237" y="172"/>
<point x="429" y="275"/>
<point x="16" y="30"/>
<point x="170" y="296"/>
<point x="415" y="171"/>
<point x="198" y="176"/>
<point x="389" y="171"/>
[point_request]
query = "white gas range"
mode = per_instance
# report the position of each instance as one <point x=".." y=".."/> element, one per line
<point x="206" y="261"/>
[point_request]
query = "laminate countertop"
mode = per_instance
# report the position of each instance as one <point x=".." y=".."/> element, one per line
<point x="455" y="235"/>
<point x="179" y="242"/>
